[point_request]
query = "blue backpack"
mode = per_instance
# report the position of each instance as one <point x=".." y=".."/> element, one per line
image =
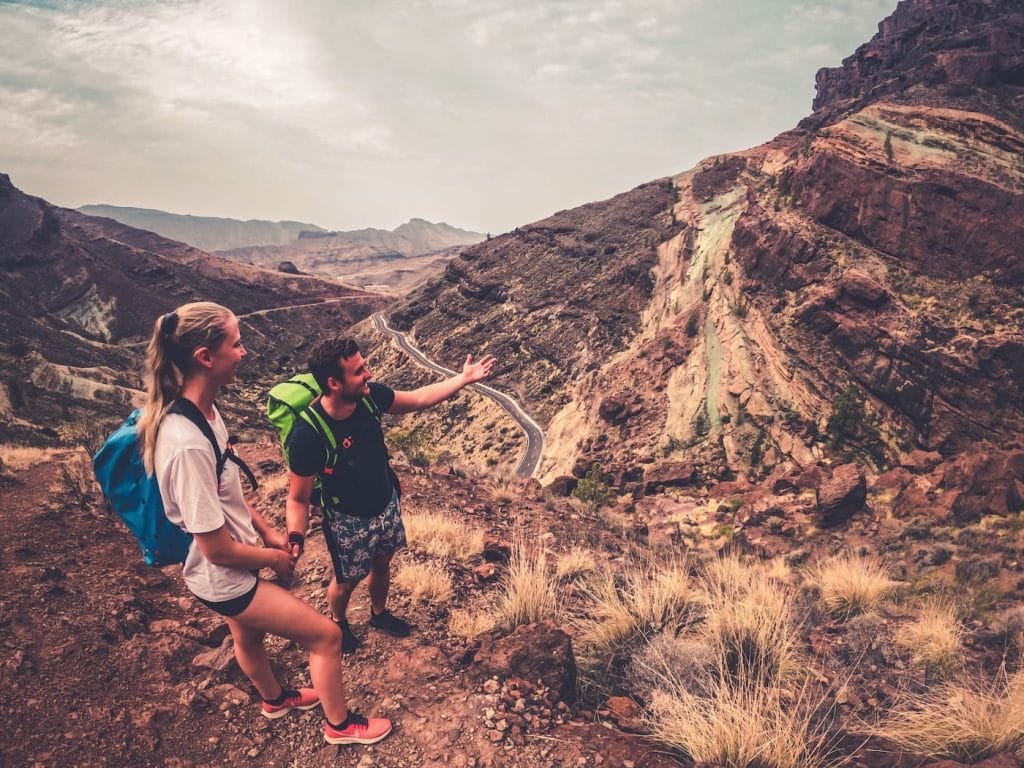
<point x="135" y="496"/>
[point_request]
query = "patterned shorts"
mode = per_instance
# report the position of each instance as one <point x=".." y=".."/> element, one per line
<point x="354" y="541"/>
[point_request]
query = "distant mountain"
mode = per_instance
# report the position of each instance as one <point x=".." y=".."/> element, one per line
<point x="207" y="233"/>
<point x="853" y="287"/>
<point x="377" y="259"/>
<point x="78" y="299"/>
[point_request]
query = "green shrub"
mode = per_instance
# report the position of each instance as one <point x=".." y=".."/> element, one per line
<point x="593" y="489"/>
<point x="847" y="417"/>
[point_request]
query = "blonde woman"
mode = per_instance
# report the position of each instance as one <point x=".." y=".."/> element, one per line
<point x="194" y="351"/>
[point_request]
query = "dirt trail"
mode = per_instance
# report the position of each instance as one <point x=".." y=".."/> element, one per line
<point x="110" y="662"/>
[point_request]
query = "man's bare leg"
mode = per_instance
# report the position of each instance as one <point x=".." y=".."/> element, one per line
<point x="338" y="594"/>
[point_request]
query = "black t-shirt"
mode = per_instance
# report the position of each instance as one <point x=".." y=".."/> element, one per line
<point x="362" y="481"/>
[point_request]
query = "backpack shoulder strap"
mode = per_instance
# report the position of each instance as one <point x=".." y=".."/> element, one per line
<point x="185" y="407"/>
<point x="371" y="405"/>
<point x="312" y="417"/>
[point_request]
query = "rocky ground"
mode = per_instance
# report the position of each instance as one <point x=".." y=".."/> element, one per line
<point x="108" y="662"/>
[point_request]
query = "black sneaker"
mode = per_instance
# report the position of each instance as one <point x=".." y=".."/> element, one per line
<point x="349" y="642"/>
<point x="388" y="622"/>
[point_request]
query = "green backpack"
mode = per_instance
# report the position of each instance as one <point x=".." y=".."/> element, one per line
<point x="290" y="400"/>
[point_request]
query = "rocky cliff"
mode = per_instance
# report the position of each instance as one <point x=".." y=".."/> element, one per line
<point x="851" y="287"/>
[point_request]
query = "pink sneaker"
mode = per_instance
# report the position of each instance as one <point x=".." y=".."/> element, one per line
<point x="304" y="698"/>
<point x="360" y="730"/>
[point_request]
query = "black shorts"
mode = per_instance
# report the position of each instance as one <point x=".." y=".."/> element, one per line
<point x="231" y="607"/>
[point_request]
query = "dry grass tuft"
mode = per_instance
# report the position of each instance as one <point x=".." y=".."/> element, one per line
<point x="853" y="584"/>
<point x="443" y="536"/>
<point x="19" y="457"/>
<point x="749" y="622"/>
<point x="964" y="720"/>
<point x="574" y="563"/>
<point x="425" y="582"/>
<point x="934" y="638"/>
<point x="507" y="487"/>
<point x="528" y="592"/>
<point x="647" y="598"/>
<point x="469" y="623"/>
<point x="719" y="719"/>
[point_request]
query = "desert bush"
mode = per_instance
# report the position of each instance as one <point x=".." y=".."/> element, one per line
<point x="934" y="637"/>
<point x="425" y="582"/>
<point x="507" y="487"/>
<point x="443" y="536"/>
<point x="592" y="489"/>
<point x="528" y="592"/>
<point x="413" y="443"/>
<point x="852" y="584"/>
<point x="966" y="720"/>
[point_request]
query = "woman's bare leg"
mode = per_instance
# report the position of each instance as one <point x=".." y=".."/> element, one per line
<point x="275" y="611"/>
<point x="252" y="658"/>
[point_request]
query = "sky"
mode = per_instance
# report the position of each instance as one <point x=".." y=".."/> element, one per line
<point x="486" y="114"/>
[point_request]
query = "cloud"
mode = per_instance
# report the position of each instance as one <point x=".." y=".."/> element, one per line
<point x="485" y="113"/>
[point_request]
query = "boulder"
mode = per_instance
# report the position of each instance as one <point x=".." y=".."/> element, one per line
<point x="563" y="485"/>
<point x="842" y="494"/>
<point x="985" y="483"/>
<point x="625" y="713"/>
<point x="533" y="652"/>
<point x="288" y="268"/>
<point x="920" y="462"/>
<point x="674" y="473"/>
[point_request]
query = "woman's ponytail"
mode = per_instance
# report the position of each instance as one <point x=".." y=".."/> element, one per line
<point x="176" y="336"/>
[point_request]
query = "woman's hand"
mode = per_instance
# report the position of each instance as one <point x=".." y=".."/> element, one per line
<point x="282" y="563"/>
<point x="274" y="539"/>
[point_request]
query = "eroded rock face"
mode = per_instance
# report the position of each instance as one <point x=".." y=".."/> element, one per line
<point x="720" y="319"/>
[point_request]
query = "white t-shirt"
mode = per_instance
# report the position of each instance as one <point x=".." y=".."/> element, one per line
<point x="186" y="471"/>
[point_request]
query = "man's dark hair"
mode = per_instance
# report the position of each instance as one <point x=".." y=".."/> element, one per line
<point x="325" y="360"/>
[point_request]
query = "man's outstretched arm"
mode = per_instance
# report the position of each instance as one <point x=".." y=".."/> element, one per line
<point x="432" y="394"/>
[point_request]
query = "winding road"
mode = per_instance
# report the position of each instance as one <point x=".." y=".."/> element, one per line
<point x="534" y="434"/>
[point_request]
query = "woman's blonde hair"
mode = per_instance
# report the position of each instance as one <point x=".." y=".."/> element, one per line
<point x="176" y="336"/>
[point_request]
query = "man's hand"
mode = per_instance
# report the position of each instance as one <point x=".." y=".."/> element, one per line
<point x="474" y="372"/>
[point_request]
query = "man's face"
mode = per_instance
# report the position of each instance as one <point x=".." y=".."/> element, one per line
<point x="356" y="374"/>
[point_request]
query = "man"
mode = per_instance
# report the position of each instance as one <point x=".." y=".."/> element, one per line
<point x="359" y="493"/>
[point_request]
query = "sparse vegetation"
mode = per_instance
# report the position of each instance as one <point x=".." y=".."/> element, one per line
<point x="574" y="563"/>
<point x="620" y="611"/>
<point x="852" y="584"/>
<point x="413" y="443"/>
<point x="749" y="620"/>
<point x="693" y="324"/>
<point x="967" y="719"/>
<point x="469" y="623"/>
<point x="847" y="417"/>
<point x="19" y="457"/>
<point x="887" y="146"/>
<point x="720" y="719"/>
<point x="425" y="582"/>
<point x="443" y="536"/>
<point x="934" y="638"/>
<point x="528" y="592"/>
<point x="593" y="489"/>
